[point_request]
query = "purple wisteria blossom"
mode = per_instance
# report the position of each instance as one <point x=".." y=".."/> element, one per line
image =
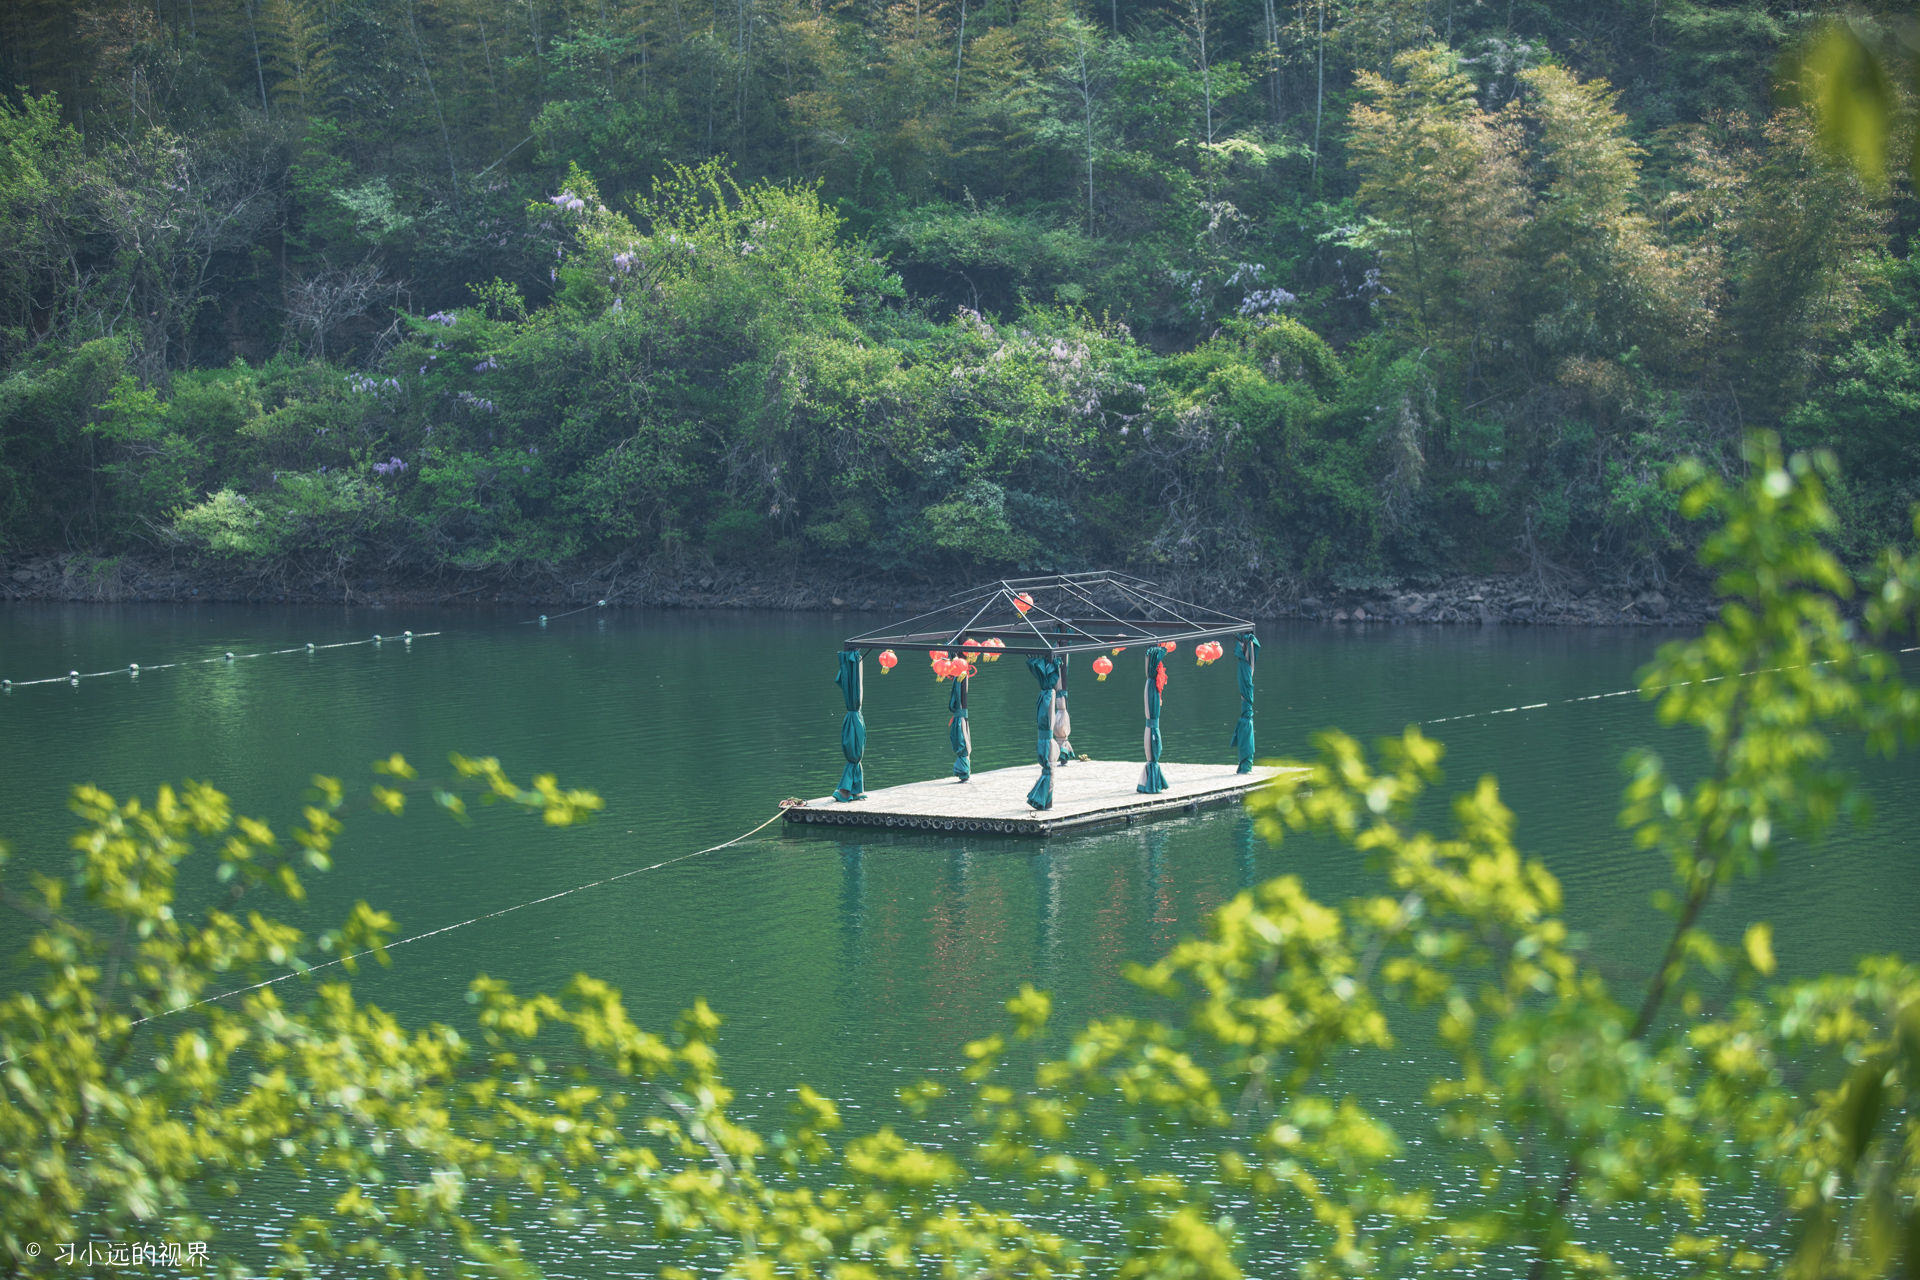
<point x="445" y="318"/>
<point x="1266" y="300"/>
<point x="391" y="467"/>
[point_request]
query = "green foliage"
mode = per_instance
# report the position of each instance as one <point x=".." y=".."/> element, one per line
<point x="307" y="522"/>
<point x="1591" y="232"/>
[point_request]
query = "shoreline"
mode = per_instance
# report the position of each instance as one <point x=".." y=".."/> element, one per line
<point x="1465" y="600"/>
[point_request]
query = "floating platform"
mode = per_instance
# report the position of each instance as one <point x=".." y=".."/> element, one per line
<point x="1086" y="793"/>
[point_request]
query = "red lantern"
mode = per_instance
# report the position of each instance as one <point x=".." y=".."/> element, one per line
<point x="887" y="660"/>
<point x="938" y="655"/>
<point x="1117" y="652"/>
<point x="1023" y="602"/>
<point x="961" y="669"/>
<point x="969" y="643"/>
<point x="1102" y="667"/>
<point x="1169" y="646"/>
<point x="994" y="642"/>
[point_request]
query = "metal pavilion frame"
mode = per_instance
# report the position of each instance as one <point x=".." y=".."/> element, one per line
<point x="1066" y="617"/>
<point x="1064" y="614"/>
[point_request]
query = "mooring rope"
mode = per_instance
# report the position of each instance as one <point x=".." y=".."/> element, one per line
<point x="449" y="928"/>
<point x="134" y="669"/>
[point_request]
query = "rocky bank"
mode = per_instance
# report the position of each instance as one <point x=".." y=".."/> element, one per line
<point x="1469" y="601"/>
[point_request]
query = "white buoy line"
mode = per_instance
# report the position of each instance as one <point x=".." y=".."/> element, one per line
<point x="133" y="670"/>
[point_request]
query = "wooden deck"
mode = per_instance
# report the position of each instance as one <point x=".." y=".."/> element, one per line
<point x="1086" y="793"/>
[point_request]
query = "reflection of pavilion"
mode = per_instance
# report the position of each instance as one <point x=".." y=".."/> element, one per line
<point x="932" y="929"/>
<point x="1048" y="620"/>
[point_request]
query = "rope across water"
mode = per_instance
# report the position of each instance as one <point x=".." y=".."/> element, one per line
<point x="1594" y="697"/>
<point x="134" y="669"/>
<point x="449" y="928"/>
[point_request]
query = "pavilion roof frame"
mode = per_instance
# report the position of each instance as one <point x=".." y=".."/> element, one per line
<point x="1071" y="613"/>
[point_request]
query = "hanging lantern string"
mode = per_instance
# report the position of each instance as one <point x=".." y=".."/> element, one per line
<point x="135" y="669"/>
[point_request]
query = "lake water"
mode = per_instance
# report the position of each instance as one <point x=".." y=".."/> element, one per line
<point x="854" y="964"/>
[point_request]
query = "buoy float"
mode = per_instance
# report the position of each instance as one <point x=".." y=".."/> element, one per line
<point x="1102" y="667"/>
<point x="887" y="660"/>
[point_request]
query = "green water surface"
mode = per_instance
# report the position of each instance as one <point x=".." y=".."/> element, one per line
<point x="860" y="963"/>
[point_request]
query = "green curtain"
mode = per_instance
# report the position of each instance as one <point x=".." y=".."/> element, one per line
<point x="1062" y="722"/>
<point x="1152" y="779"/>
<point x="1048" y="674"/>
<point x="853" y="730"/>
<point x="957" y="732"/>
<point x="1248" y="647"/>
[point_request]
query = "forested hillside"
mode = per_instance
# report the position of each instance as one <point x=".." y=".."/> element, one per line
<point x="1268" y="294"/>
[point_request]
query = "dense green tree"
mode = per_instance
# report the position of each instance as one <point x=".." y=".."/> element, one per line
<point x="1443" y="177"/>
<point x="1556" y="248"/>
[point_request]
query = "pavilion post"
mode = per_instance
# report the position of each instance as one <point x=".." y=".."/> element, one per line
<point x="1248" y="648"/>
<point x="959" y="736"/>
<point x="1153" y="780"/>
<point x="1048" y="674"/>
<point x="1062" y="722"/>
<point x="853" y="729"/>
